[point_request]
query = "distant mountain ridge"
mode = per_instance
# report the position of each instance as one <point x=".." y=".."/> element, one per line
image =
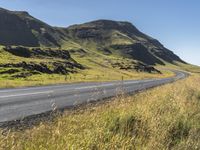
<point x="19" y="28"/>
<point x="104" y="36"/>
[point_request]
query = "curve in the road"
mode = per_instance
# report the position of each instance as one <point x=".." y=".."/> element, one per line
<point x="16" y="104"/>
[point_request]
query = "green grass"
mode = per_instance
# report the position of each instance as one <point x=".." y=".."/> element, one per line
<point x="98" y="68"/>
<point x="89" y="75"/>
<point x="166" y="117"/>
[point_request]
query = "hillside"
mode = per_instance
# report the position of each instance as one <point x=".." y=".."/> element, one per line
<point x="121" y="38"/>
<point x="99" y="50"/>
<point x="109" y="37"/>
<point x="20" y="28"/>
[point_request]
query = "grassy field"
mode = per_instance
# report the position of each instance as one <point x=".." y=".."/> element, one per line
<point x="166" y="117"/>
<point x="83" y="76"/>
<point x="97" y="68"/>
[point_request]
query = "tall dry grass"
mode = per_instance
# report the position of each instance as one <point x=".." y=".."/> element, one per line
<point x="166" y="117"/>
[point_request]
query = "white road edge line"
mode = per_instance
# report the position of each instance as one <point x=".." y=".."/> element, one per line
<point x="112" y="84"/>
<point x="93" y="86"/>
<point x="18" y="95"/>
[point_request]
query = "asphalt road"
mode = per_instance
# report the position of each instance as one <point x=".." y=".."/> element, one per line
<point x="16" y="104"/>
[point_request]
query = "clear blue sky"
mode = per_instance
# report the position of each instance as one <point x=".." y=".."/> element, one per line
<point x="175" y="23"/>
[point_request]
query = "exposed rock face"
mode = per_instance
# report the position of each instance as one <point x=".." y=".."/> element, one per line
<point x="9" y="71"/>
<point x="56" y="67"/>
<point x="138" y="52"/>
<point x="37" y="52"/>
<point x="56" y="62"/>
<point x="139" y="67"/>
<point x="145" y="68"/>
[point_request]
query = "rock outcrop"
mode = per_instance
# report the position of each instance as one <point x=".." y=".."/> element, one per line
<point x="38" y="52"/>
<point x="52" y="62"/>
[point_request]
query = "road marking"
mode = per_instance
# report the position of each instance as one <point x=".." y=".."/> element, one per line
<point x="19" y="90"/>
<point x="18" y="95"/>
<point x="62" y="86"/>
<point x="96" y="86"/>
<point x="112" y="84"/>
<point x="80" y="88"/>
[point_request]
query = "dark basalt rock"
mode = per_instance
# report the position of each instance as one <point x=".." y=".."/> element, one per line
<point x="145" y="68"/>
<point x="33" y="68"/>
<point x="61" y="70"/>
<point x="138" y="52"/>
<point x="30" y="66"/>
<point x="10" y="71"/>
<point x="37" y="52"/>
<point x="18" y="51"/>
<point x="64" y="66"/>
<point x="63" y="54"/>
<point x="22" y="75"/>
<point x="139" y="67"/>
<point x="87" y="34"/>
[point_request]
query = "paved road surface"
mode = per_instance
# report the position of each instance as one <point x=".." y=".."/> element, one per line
<point x="16" y="104"/>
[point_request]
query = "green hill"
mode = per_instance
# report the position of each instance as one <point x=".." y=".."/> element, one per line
<point x="108" y="37"/>
<point x="19" y="28"/>
<point x="123" y="39"/>
<point x="99" y="50"/>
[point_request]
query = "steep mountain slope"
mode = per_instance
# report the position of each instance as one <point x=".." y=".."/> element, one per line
<point x="121" y="38"/>
<point x="19" y="28"/>
<point x="33" y="52"/>
<point x="105" y="36"/>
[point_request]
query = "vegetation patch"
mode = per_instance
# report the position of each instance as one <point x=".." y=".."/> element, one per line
<point x="161" y="118"/>
<point x="178" y="131"/>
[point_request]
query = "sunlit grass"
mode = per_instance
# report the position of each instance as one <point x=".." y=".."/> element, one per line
<point x="96" y="64"/>
<point x="92" y="75"/>
<point x="166" y="117"/>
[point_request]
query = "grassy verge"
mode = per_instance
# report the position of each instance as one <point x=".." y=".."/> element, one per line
<point x="90" y="75"/>
<point x="166" y="117"/>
